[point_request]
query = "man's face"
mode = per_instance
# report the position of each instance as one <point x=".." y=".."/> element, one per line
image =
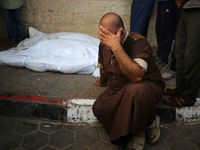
<point x="107" y="25"/>
<point x="110" y="29"/>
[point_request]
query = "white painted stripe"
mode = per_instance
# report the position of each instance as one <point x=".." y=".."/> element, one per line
<point x="80" y="111"/>
<point x="188" y="114"/>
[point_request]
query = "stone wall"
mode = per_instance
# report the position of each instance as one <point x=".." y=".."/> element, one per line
<point x="50" y="16"/>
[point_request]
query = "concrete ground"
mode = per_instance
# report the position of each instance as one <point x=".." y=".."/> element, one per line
<point x="32" y="114"/>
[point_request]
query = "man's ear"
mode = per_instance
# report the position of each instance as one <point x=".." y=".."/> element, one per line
<point x="122" y="34"/>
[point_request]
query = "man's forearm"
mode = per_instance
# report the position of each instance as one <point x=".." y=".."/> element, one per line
<point x="128" y="67"/>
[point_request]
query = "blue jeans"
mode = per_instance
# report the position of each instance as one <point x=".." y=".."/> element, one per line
<point x="13" y="16"/>
<point x="140" y="14"/>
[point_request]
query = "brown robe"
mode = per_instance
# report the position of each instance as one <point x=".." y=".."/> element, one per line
<point x="125" y="107"/>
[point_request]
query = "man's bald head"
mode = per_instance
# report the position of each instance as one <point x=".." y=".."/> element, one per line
<point x="112" y="22"/>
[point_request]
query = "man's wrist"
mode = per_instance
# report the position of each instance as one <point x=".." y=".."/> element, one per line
<point x="117" y="47"/>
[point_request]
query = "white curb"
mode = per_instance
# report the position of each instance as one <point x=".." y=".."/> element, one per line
<point x="80" y="111"/>
<point x="188" y="114"/>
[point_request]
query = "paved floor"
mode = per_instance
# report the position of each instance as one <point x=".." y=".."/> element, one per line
<point x="25" y="134"/>
<point x="28" y="134"/>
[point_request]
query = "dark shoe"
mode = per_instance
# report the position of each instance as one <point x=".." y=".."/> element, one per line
<point x="171" y="92"/>
<point x="178" y="101"/>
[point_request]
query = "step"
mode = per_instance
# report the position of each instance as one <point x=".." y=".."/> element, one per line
<point x="31" y="106"/>
<point x="80" y="110"/>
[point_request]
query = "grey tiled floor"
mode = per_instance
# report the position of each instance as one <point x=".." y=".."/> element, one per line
<point x="26" y="134"/>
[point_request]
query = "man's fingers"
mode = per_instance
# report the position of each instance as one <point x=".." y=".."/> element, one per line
<point x="101" y="38"/>
<point x="119" y="32"/>
<point x="105" y="31"/>
<point x="101" y="34"/>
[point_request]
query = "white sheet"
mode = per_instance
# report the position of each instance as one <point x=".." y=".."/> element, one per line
<point x="62" y="52"/>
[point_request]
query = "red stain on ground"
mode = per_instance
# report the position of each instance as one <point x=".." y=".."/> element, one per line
<point x="32" y="98"/>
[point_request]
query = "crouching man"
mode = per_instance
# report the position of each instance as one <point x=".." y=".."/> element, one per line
<point x="134" y="81"/>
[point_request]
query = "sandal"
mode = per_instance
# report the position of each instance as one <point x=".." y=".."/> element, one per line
<point x="154" y="130"/>
<point x="136" y="143"/>
<point x="178" y="101"/>
<point x="171" y="92"/>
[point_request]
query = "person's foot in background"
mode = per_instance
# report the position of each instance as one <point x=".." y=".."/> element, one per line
<point x="169" y="74"/>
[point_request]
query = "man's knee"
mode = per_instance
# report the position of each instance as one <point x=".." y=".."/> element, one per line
<point x="135" y="88"/>
<point x="139" y="93"/>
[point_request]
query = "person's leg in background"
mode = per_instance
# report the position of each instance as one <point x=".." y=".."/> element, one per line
<point x="158" y="26"/>
<point x="165" y="30"/>
<point x="140" y="14"/>
<point x="8" y="16"/>
<point x="187" y="57"/>
<point x="187" y="61"/>
<point x="181" y="43"/>
<point x="169" y="74"/>
<point x="18" y="23"/>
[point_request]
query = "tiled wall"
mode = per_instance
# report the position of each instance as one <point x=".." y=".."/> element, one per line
<point x="82" y="16"/>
